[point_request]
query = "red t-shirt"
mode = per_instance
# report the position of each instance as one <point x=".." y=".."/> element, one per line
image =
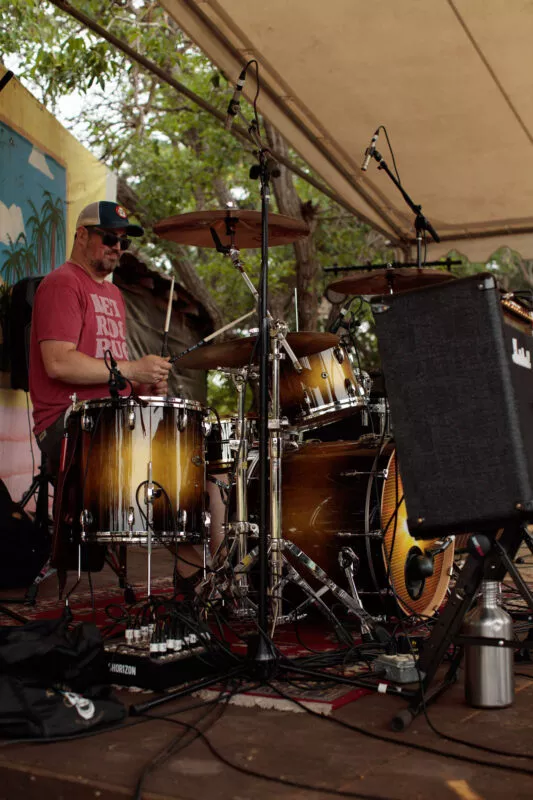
<point x="70" y="306"/>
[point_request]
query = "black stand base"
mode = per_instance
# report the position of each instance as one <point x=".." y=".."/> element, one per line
<point x="491" y="559"/>
<point x="264" y="660"/>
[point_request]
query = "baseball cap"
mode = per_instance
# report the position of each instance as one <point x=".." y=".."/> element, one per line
<point x="107" y="214"/>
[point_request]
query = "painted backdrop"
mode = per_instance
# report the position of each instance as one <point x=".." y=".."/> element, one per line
<point x="33" y="188"/>
<point x="46" y="178"/>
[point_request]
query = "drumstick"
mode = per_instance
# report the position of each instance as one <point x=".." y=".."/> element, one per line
<point x="229" y="325"/>
<point x="211" y="336"/>
<point x="164" y="344"/>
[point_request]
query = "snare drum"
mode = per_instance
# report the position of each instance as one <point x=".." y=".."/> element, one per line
<point x="325" y="391"/>
<point x="124" y="445"/>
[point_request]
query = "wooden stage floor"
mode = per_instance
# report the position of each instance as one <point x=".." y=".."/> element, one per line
<point x="293" y="746"/>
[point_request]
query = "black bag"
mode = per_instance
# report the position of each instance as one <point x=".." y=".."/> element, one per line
<point x="53" y="680"/>
<point x="23" y="547"/>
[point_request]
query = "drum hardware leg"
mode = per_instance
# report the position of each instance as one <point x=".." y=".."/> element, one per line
<point x="314" y="598"/>
<point x="349" y="562"/>
<point x="275" y="445"/>
<point x="116" y="557"/>
<point x="241" y="527"/>
<point x="354" y="606"/>
<point x="487" y="557"/>
<point x="149" y="496"/>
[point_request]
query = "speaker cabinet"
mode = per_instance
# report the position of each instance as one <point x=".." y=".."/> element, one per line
<point x="22" y="298"/>
<point x="458" y="374"/>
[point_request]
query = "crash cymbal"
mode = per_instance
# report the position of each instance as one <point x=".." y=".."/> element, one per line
<point x="237" y="352"/>
<point x="193" y="229"/>
<point x="382" y="281"/>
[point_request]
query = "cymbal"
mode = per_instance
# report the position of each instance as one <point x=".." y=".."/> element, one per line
<point x="237" y="352"/>
<point x="381" y="281"/>
<point x="193" y="228"/>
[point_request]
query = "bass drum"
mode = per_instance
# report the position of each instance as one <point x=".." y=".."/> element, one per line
<point x="346" y="494"/>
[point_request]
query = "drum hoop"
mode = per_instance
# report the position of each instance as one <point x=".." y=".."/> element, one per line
<point x="156" y="402"/>
<point x="159" y="539"/>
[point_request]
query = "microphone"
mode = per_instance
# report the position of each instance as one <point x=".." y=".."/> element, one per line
<point x="370" y="150"/>
<point x="338" y="322"/>
<point x="116" y="381"/>
<point x="235" y="101"/>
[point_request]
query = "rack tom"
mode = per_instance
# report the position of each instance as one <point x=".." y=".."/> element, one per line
<point x="325" y="391"/>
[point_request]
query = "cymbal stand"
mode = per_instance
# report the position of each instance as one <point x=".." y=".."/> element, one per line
<point x="241" y="527"/>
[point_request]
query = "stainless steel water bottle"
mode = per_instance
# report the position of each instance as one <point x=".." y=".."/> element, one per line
<point x="489" y="677"/>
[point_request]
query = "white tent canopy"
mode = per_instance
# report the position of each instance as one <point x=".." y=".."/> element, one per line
<point x="452" y="80"/>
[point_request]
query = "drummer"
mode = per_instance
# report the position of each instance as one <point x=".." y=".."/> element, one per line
<point x="77" y="316"/>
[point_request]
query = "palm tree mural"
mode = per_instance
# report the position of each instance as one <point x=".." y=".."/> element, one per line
<point x="13" y="266"/>
<point x="53" y="212"/>
<point x="39" y="235"/>
<point x="44" y="249"/>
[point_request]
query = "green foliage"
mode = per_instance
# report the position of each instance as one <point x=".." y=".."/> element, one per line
<point x="173" y="154"/>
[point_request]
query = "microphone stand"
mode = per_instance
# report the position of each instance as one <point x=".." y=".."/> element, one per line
<point x="421" y="222"/>
<point x="265" y="656"/>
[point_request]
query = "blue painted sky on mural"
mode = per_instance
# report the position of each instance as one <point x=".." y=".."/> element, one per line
<point x="29" y="176"/>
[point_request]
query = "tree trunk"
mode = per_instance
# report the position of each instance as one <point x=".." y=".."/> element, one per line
<point x="307" y="264"/>
<point x="181" y="263"/>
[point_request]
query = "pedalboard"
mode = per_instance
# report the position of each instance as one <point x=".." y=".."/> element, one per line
<point x="131" y="665"/>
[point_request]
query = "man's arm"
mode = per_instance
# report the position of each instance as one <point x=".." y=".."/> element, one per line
<point x="64" y="363"/>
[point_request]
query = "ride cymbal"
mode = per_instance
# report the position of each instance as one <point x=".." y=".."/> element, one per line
<point x="233" y="226"/>
<point x="385" y="281"/>
<point x="237" y="352"/>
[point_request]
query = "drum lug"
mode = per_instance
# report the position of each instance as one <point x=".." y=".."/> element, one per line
<point x="86" y="518"/>
<point x="181" y="421"/>
<point x="307" y="399"/>
<point x="131" y="518"/>
<point x="338" y="352"/>
<point x="182" y="520"/>
<point x="87" y="423"/>
<point x="207" y="426"/>
<point x="130" y="416"/>
<point x="350" y="388"/>
<point x="206" y="519"/>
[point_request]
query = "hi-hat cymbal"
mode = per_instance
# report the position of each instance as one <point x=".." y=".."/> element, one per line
<point x="382" y="281"/>
<point x="194" y="228"/>
<point x="237" y="352"/>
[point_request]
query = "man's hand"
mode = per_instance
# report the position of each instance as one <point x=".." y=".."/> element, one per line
<point x="159" y="389"/>
<point x="148" y="369"/>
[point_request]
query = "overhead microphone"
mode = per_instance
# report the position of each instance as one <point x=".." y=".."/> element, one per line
<point x="370" y="150"/>
<point x="234" y="103"/>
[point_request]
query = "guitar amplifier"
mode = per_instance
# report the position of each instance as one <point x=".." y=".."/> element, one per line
<point x="458" y="371"/>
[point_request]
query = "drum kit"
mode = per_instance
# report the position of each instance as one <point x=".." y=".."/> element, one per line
<point x="337" y="527"/>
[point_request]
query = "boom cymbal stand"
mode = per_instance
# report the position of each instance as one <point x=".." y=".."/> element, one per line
<point x="275" y="569"/>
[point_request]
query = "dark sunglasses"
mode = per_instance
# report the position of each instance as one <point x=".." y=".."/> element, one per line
<point x="110" y="239"/>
